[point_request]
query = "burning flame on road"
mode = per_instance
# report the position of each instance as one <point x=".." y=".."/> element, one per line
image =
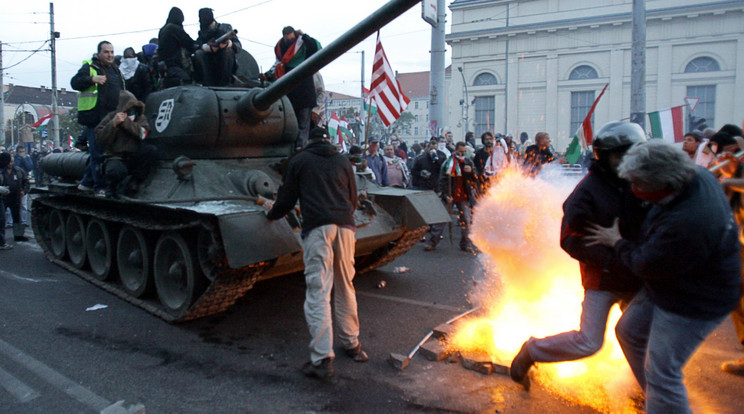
<point x="533" y="288"/>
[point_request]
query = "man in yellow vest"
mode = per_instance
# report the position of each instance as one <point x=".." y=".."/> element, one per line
<point x="99" y="83"/>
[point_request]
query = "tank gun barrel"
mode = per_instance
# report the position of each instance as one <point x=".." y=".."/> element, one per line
<point x="262" y="100"/>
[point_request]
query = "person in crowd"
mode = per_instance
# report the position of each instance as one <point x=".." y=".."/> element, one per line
<point x="442" y="146"/>
<point x="359" y="162"/>
<point x="601" y="197"/>
<point x="425" y="176"/>
<point x="538" y="154"/>
<point x="23" y="160"/>
<point x="323" y="181"/>
<point x="25" y="163"/>
<point x="470" y="139"/>
<point x="175" y="48"/>
<point x="292" y="49"/>
<point x="4" y="191"/>
<point x="376" y="162"/>
<point x="733" y="183"/>
<point x="458" y="185"/>
<point x="685" y="296"/>
<point x="215" y="63"/>
<point x="489" y="161"/>
<point x="136" y="75"/>
<point x="696" y="147"/>
<point x="99" y="82"/>
<point x="120" y="135"/>
<point x="16" y="180"/>
<point x="397" y="171"/>
<point x="398" y="151"/>
<point x="148" y="58"/>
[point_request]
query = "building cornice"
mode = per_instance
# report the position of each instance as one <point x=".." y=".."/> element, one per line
<point x="593" y="22"/>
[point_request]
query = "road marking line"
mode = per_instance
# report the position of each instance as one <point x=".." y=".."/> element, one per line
<point x="409" y="301"/>
<point x="16" y="387"/>
<point x="14" y="276"/>
<point x="54" y="378"/>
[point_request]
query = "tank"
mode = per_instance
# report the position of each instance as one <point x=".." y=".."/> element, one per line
<point x="194" y="239"/>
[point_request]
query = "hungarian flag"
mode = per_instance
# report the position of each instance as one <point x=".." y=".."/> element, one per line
<point x="42" y="122"/>
<point x="584" y="134"/>
<point x="667" y="124"/>
<point x="346" y="132"/>
<point x="365" y="96"/>
<point x="386" y="90"/>
<point x="333" y="125"/>
<point x="359" y="119"/>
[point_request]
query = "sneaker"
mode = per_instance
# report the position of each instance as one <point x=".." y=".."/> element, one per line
<point x="520" y="366"/>
<point x="734" y="367"/>
<point x="6" y="246"/>
<point x="85" y="188"/>
<point x="100" y="193"/>
<point x="324" y="370"/>
<point x="357" y="354"/>
<point x="20" y="238"/>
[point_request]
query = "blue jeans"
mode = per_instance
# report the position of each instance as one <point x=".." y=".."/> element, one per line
<point x="657" y="344"/>
<point x="573" y="345"/>
<point x="92" y="177"/>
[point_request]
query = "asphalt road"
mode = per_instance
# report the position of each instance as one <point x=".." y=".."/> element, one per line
<point x="58" y="356"/>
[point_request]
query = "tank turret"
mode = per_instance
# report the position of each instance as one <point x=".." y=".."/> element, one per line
<point x="193" y="239"/>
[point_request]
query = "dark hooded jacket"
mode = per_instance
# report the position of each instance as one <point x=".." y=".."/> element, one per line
<point x="108" y="93"/>
<point x="128" y="135"/>
<point x="688" y="252"/>
<point x="172" y="39"/>
<point x="323" y="181"/>
<point x="600" y="198"/>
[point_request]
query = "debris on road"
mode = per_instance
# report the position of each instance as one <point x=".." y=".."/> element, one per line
<point x="96" y="307"/>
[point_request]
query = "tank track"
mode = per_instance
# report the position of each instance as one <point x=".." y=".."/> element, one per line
<point x="226" y="288"/>
<point x="398" y="248"/>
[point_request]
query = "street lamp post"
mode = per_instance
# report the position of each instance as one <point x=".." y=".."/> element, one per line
<point x="467" y="101"/>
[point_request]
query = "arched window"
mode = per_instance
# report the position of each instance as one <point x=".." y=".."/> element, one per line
<point x="702" y="64"/>
<point x="485" y="79"/>
<point x="583" y="72"/>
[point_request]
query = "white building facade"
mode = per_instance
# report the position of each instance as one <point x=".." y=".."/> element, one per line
<point x="537" y="65"/>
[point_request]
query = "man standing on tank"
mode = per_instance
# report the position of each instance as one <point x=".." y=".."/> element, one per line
<point x="175" y="47"/>
<point x="323" y="181"/>
<point x="99" y="82"/>
<point x="292" y="49"/>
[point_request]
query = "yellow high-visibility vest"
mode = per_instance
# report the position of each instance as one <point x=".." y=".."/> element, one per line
<point x="88" y="98"/>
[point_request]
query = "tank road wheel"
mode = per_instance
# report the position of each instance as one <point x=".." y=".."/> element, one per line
<point x="100" y="250"/>
<point x="75" y="239"/>
<point x="177" y="277"/>
<point x="57" y="234"/>
<point x="208" y="251"/>
<point x="134" y="255"/>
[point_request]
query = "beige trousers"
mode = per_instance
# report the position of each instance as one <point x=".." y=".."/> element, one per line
<point x="328" y="254"/>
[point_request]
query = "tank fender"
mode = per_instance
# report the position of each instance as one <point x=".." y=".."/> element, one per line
<point x="245" y="246"/>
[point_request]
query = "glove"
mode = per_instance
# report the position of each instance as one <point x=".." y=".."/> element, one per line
<point x="4" y="190"/>
<point x="206" y="48"/>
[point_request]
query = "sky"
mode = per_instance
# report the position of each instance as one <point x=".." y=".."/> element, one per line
<point x="24" y="26"/>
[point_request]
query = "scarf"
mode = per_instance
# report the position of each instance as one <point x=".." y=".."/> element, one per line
<point x="280" y="67"/>
<point x="397" y="161"/>
<point x="452" y="166"/>
<point x="128" y="67"/>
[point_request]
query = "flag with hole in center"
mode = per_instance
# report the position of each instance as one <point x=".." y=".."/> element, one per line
<point x="385" y="89"/>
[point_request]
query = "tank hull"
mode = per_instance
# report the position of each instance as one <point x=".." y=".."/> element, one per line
<point x="205" y="241"/>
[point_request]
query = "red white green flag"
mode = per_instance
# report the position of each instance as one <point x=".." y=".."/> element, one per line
<point x="333" y="125"/>
<point x="668" y="124"/>
<point x="584" y="134"/>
